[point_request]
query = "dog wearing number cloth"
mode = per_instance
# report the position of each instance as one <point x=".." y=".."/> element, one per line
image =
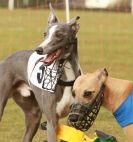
<point x="34" y="78"/>
<point x="118" y="96"/>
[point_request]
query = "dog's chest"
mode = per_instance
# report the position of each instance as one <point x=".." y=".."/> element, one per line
<point x="67" y="99"/>
<point x="40" y="75"/>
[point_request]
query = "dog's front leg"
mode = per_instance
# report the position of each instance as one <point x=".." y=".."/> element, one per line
<point x="51" y="130"/>
<point x="47" y="103"/>
<point x="52" y="122"/>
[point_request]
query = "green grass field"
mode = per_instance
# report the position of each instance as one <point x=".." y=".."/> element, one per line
<point x="105" y="40"/>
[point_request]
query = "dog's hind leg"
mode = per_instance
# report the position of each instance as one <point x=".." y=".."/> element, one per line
<point x="5" y="91"/>
<point x="32" y="114"/>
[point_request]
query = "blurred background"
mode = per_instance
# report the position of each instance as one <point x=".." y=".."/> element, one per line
<point x="123" y="5"/>
<point x="105" y="40"/>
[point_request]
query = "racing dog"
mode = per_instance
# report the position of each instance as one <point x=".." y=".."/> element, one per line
<point x="59" y="49"/>
<point x="118" y="96"/>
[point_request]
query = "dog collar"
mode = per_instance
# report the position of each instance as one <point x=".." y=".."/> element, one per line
<point x="124" y="114"/>
<point x="65" y="83"/>
<point x="86" y="114"/>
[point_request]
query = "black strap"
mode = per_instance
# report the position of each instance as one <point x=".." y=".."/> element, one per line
<point x="65" y="83"/>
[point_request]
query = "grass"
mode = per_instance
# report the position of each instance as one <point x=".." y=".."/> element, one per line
<point x="105" y="39"/>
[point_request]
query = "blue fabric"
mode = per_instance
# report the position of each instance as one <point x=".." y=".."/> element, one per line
<point x="124" y="114"/>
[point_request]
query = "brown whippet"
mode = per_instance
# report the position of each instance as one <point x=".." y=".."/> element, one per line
<point x="58" y="49"/>
<point x="118" y="96"/>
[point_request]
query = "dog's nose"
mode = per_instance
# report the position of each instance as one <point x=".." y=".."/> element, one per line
<point x="73" y="118"/>
<point x="39" y="50"/>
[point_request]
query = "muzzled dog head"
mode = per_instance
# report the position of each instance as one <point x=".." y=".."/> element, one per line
<point x="88" y="85"/>
<point x="58" y="38"/>
<point x="88" y="90"/>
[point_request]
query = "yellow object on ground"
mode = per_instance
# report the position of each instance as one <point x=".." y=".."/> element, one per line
<point x="71" y="134"/>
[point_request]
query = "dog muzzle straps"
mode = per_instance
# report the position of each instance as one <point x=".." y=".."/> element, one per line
<point x="83" y="116"/>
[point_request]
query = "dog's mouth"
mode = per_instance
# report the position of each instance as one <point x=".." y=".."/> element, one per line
<point x="52" y="57"/>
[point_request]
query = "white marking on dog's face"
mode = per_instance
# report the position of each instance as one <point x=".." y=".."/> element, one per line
<point x="48" y="37"/>
<point x="63" y="106"/>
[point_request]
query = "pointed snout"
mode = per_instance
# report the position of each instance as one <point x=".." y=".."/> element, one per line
<point x="45" y="50"/>
<point x="39" y="50"/>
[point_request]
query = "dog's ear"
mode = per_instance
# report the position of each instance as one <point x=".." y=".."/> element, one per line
<point x="103" y="74"/>
<point x="73" y="21"/>
<point x="74" y="25"/>
<point x="52" y="17"/>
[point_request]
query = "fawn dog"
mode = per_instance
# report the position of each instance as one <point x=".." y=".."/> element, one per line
<point x="118" y="96"/>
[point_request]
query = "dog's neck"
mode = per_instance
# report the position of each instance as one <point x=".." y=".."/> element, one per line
<point x="71" y="71"/>
<point x="116" y="91"/>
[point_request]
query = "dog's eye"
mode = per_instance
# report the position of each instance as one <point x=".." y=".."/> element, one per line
<point x="59" y="34"/>
<point x="87" y="94"/>
<point x="73" y="93"/>
<point x="45" y="34"/>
